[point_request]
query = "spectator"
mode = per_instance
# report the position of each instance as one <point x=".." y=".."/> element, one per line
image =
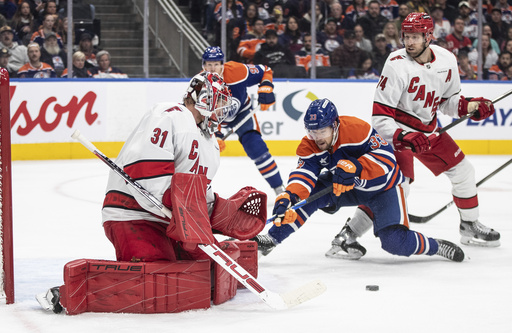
<point x="403" y="11"/>
<point x="373" y="23"/>
<point x="361" y="42"/>
<point x="498" y="71"/>
<point x="47" y="27"/>
<point x="342" y="22"/>
<point x="380" y="52"/>
<point x="4" y="61"/>
<point x="486" y="30"/>
<point x="418" y="6"/>
<point x="295" y="8"/>
<point x="85" y="45"/>
<point x="489" y="57"/>
<point x="104" y="70"/>
<point x="303" y="57"/>
<point x="442" y="27"/>
<point x="508" y="46"/>
<point x="7" y="9"/>
<point x="277" y="21"/>
<point x="389" y="9"/>
<point x="264" y="8"/>
<point x="392" y="36"/>
<point x="364" y="70"/>
<point x="449" y="11"/>
<point x="234" y="13"/>
<point x="79" y="69"/>
<point x="442" y="42"/>
<point x="506" y="10"/>
<point x="250" y="16"/>
<point x="329" y="38"/>
<point x="456" y="41"/>
<point x="291" y="36"/>
<point x="305" y="21"/>
<point x="470" y="24"/>
<point x="50" y="7"/>
<point x="35" y="68"/>
<point x="250" y="43"/>
<point x="18" y="52"/>
<point x="271" y="53"/>
<point x="508" y="74"/>
<point x="23" y="23"/>
<point x="466" y="70"/>
<point x="81" y="10"/>
<point x="348" y="55"/>
<point x="52" y="54"/>
<point x="356" y="10"/>
<point x="498" y="27"/>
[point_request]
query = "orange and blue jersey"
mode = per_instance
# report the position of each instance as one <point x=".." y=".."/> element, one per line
<point x="356" y="139"/>
<point x="44" y="71"/>
<point x="248" y="46"/>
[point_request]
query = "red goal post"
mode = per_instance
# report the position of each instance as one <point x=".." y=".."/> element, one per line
<point x="6" y="239"/>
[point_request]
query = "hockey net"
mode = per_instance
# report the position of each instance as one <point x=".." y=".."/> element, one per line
<point x="6" y="245"/>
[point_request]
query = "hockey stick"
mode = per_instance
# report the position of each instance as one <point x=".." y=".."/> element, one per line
<point x="272" y="299"/>
<point x="424" y="219"/>
<point x="463" y="118"/>
<point x="237" y="126"/>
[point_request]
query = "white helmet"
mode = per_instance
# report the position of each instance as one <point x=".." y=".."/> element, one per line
<point x="212" y="97"/>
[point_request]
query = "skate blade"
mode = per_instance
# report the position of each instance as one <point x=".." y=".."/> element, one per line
<point x="336" y="252"/>
<point x="470" y="241"/>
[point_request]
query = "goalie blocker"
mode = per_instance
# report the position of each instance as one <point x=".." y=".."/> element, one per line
<point x="188" y="279"/>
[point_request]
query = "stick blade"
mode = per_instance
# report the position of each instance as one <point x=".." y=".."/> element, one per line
<point x="303" y="294"/>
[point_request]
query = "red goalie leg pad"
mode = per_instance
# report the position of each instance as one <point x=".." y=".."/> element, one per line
<point x="242" y="216"/>
<point x="190" y="222"/>
<point x="117" y="286"/>
<point x="224" y="284"/>
<point x="248" y="258"/>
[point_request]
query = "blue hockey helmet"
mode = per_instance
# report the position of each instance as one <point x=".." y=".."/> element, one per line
<point x="213" y="53"/>
<point x="321" y="116"/>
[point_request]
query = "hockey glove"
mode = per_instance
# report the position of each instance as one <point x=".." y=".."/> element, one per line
<point x="281" y="208"/>
<point x="344" y="176"/>
<point x="222" y="145"/>
<point x="479" y="108"/>
<point x="417" y="141"/>
<point x="266" y="95"/>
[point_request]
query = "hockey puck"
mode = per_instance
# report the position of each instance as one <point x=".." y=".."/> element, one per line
<point x="372" y="287"/>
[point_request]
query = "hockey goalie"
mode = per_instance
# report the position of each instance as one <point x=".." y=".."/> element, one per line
<point x="174" y="155"/>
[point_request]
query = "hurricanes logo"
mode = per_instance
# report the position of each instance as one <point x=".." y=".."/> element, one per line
<point x="290" y="110"/>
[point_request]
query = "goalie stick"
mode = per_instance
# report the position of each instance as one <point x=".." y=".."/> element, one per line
<point x="272" y="299"/>
<point x="463" y="118"/>
<point x="425" y="219"/>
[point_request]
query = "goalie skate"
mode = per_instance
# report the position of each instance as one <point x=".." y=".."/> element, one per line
<point x="50" y="300"/>
<point x="265" y="244"/>
<point x="477" y="234"/>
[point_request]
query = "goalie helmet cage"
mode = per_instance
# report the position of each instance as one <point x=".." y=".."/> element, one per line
<point x="6" y="239"/>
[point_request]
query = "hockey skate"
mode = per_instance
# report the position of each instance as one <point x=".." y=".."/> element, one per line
<point x="50" y="300"/>
<point x="449" y="250"/>
<point x="345" y="246"/>
<point x="477" y="234"/>
<point x="265" y="244"/>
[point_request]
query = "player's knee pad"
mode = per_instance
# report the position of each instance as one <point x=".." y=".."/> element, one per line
<point x="242" y="215"/>
<point x="462" y="177"/>
<point x="254" y="145"/>
<point x="361" y="222"/>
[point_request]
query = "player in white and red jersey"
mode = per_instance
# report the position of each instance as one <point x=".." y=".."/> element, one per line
<point x="362" y="170"/>
<point x="416" y="82"/>
<point x="173" y="143"/>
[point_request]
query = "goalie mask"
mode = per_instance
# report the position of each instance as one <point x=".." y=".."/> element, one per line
<point x="212" y="98"/>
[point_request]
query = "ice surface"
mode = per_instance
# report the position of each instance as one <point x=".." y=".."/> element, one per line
<point x="57" y="219"/>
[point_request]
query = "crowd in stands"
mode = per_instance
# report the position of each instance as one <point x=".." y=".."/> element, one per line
<point x="354" y="38"/>
<point x="33" y="41"/>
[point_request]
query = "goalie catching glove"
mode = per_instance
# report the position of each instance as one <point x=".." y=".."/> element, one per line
<point x="283" y="214"/>
<point x="344" y="177"/>
<point x="417" y="141"/>
<point x="478" y="108"/>
<point x="266" y="95"/>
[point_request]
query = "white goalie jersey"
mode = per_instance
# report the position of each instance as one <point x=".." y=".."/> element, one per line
<point x="166" y="141"/>
<point x="409" y="94"/>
